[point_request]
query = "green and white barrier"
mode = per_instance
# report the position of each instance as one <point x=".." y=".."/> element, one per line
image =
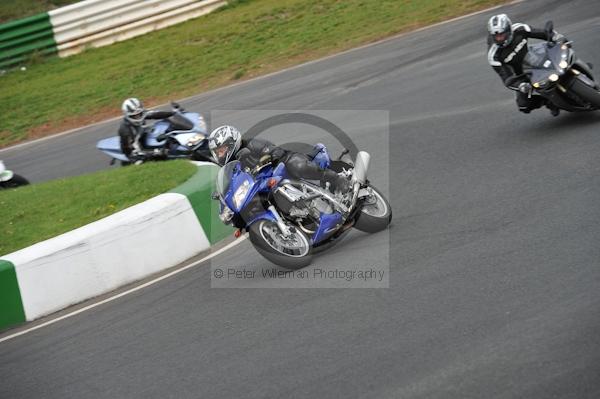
<point x="19" y="39"/>
<point x="11" y="306"/>
<point x="112" y="252"/>
<point x="93" y="23"/>
<point x="198" y="190"/>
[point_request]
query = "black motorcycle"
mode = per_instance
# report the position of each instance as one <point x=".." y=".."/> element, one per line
<point x="558" y="75"/>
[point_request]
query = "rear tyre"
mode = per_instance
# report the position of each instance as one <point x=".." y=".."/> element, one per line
<point x="375" y="214"/>
<point x="293" y="252"/>
<point x="586" y="92"/>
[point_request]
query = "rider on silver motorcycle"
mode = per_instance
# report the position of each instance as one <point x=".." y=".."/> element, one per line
<point x="133" y="129"/>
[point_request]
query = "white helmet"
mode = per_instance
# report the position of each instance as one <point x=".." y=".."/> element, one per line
<point x="500" y="30"/>
<point x="134" y="111"/>
<point x="223" y="143"/>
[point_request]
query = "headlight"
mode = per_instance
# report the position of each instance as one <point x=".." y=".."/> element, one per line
<point x="536" y="85"/>
<point x="563" y="64"/>
<point x="196" y="139"/>
<point x="202" y="124"/>
<point x="240" y="194"/>
<point x="553" y="77"/>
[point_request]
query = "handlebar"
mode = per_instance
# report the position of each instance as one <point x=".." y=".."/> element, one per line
<point x="514" y="79"/>
<point x="258" y="168"/>
<point x="163" y="136"/>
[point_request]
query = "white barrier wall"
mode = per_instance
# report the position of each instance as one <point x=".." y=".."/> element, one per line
<point x="96" y="23"/>
<point x="102" y="256"/>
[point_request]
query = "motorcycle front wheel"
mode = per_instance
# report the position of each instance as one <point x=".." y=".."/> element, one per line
<point x="292" y="252"/>
<point x="375" y="214"/>
<point x="586" y="92"/>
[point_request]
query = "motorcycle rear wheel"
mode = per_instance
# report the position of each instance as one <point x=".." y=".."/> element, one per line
<point x="293" y="252"/>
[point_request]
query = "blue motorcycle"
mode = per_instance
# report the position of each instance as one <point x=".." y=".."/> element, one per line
<point x="288" y="220"/>
<point x="183" y="135"/>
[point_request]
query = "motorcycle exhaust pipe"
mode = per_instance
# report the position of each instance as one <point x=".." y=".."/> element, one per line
<point x="361" y="166"/>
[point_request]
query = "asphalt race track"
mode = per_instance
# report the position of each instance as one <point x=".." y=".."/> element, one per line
<point x="494" y="251"/>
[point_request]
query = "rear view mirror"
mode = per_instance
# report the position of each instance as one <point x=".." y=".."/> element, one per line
<point x="549" y="28"/>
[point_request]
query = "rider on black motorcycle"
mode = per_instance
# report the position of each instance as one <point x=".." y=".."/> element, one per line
<point x="507" y="44"/>
<point x="133" y="129"/>
<point x="226" y="144"/>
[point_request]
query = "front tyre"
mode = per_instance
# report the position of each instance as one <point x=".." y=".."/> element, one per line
<point x="375" y="214"/>
<point x="292" y="252"/>
<point x="585" y="91"/>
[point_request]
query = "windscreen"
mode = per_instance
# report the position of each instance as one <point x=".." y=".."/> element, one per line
<point x="536" y="56"/>
<point x="224" y="177"/>
<point x="543" y="60"/>
<point x="180" y="122"/>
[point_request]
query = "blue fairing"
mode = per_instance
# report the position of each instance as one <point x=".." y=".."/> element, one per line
<point x="258" y="184"/>
<point x="238" y="178"/>
<point x="158" y="129"/>
<point x="280" y="172"/>
<point x="161" y="127"/>
<point x="112" y="147"/>
<point x="263" y="182"/>
<point x="329" y="223"/>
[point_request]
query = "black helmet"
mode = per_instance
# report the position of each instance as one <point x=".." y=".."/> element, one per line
<point x="500" y="30"/>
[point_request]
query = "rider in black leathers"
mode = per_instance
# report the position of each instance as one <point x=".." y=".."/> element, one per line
<point x="132" y="130"/>
<point x="507" y="48"/>
<point x="226" y="144"/>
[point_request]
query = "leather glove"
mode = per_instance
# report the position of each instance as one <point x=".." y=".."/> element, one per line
<point x="525" y="87"/>
<point x="177" y="106"/>
<point x="559" y="38"/>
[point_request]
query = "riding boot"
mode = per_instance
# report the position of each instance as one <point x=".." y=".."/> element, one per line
<point x="554" y="110"/>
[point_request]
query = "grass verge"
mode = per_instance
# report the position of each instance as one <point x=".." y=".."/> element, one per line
<point x="16" y="9"/>
<point x="242" y="40"/>
<point x="34" y="213"/>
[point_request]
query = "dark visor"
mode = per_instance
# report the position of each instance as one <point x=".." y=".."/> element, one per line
<point x="501" y="37"/>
